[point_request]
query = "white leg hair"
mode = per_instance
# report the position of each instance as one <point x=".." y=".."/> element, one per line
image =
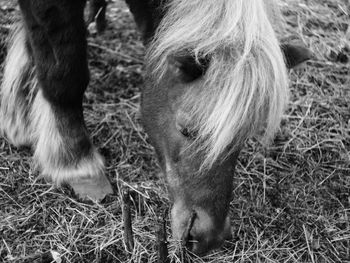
<point x="26" y="120"/>
<point x="85" y="175"/>
<point x="15" y="97"/>
<point x="51" y="149"/>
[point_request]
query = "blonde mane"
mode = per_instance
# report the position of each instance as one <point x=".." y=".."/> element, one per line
<point x="244" y="90"/>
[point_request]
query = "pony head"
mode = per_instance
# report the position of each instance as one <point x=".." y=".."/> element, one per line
<point x="215" y="76"/>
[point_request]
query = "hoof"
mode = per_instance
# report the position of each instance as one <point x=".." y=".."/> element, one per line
<point x="94" y="188"/>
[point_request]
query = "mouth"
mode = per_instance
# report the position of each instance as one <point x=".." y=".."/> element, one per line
<point x="186" y="238"/>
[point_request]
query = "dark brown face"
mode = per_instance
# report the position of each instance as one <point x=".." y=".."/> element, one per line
<point x="207" y="194"/>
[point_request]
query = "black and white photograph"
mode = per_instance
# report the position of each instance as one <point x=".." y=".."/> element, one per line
<point x="174" y="131"/>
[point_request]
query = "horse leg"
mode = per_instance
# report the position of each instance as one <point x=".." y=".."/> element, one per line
<point x="147" y="15"/>
<point x="15" y="93"/>
<point x="56" y="34"/>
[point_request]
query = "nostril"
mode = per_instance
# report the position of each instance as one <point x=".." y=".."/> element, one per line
<point x="203" y="236"/>
<point x="191" y="239"/>
<point x="198" y="245"/>
<point x="191" y="243"/>
<point x="197" y="230"/>
<point x="186" y="236"/>
<point x="201" y="245"/>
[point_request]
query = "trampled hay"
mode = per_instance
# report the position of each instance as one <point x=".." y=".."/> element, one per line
<point x="290" y="201"/>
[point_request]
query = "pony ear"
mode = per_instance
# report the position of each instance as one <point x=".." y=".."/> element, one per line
<point x="147" y="15"/>
<point x="295" y="54"/>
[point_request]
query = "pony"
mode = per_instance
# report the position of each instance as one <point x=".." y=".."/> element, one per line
<point x="216" y="75"/>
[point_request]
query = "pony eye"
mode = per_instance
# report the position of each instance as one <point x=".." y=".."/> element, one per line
<point x="186" y="132"/>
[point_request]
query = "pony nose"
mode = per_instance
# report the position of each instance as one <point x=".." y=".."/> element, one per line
<point x="198" y="231"/>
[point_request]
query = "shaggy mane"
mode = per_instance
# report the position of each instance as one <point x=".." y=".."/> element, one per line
<point x="244" y="90"/>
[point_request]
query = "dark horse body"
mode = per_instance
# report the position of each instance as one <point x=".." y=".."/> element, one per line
<point x="46" y="75"/>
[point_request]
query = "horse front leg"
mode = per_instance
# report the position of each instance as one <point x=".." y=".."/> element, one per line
<point x="56" y="35"/>
<point x="15" y="90"/>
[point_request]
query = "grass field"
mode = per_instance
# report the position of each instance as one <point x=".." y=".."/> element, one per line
<point x="291" y="200"/>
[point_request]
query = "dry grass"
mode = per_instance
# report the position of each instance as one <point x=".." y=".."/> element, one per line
<point x="291" y="201"/>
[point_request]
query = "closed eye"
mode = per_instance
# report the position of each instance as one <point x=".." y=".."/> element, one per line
<point x="185" y="126"/>
<point x="190" y="68"/>
<point x="186" y="132"/>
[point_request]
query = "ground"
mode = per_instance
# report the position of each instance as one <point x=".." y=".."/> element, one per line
<point x="291" y="200"/>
